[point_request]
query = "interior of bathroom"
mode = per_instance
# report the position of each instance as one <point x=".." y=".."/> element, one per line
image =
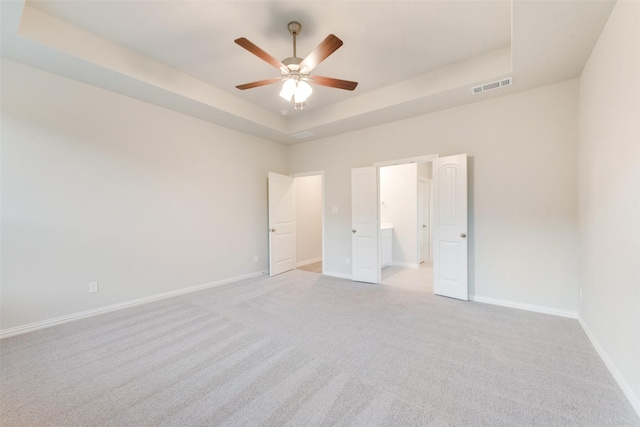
<point x="405" y="221"/>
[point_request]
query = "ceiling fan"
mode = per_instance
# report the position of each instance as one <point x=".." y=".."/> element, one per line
<point x="296" y="72"/>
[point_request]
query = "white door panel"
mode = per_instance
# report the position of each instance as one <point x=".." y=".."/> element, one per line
<point x="364" y="225"/>
<point x="450" y="227"/>
<point x="282" y="227"/>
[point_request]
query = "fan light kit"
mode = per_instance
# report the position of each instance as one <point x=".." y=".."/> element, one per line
<point x="295" y="73"/>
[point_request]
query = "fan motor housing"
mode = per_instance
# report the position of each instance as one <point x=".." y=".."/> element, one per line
<point x="293" y="66"/>
<point x="292" y="62"/>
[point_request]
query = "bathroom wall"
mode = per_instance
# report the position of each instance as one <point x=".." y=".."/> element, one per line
<point x="399" y="205"/>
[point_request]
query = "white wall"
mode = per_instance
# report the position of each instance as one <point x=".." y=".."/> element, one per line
<point x="308" y="195"/>
<point x="523" y="189"/>
<point x="609" y="201"/>
<point x="398" y="192"/>
<point x="98" y="186"/>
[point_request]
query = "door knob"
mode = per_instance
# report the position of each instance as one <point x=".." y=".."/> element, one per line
<point x="424" y="226"/>
<point x="273" y="230"/>
<point x="353" y="230"/>
<point x="463" y="235"/>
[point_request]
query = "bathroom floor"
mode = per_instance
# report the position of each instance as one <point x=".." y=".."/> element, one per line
<point x="419" y="279"/>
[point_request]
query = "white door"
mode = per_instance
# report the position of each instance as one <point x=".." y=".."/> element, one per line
<point x="364" y="225"/>
<point x="450" y="227"/>
<point x="282" y="226"/>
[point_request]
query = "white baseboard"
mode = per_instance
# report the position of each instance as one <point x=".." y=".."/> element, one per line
<point x="405" y="264"/>
<point x="309" y="261"/>
<point x="338" y="275"/>
<point x="527" y="307"/>
<point x="626" y="389"/>
<point x="89" y="313"/>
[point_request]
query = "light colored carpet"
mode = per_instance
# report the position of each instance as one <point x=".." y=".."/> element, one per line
<point x="302" y="349"/>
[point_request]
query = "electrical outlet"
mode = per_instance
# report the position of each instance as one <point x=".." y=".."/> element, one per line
<point x="93" y="287"/>
<point x="256" y="258"/>
<point x="347" y="261"/>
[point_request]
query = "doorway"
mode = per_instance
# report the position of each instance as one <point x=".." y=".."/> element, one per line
<point x="449" y="223"/>
<point x="308" y="197"/>
<point x="296" y="222"/>
<point x="405" y="212"/>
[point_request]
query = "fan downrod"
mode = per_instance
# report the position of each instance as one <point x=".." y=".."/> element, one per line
<point x="294" y="29"/>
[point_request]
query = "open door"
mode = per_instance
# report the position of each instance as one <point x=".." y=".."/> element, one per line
<point x="282" y="227"/>
<point x="364" y="225"/>
<point x="450" y="270"/>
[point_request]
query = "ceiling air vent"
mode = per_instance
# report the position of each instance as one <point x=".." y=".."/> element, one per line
<point x="492" y="85"/>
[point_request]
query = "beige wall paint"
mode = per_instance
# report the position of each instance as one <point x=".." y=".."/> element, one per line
<point x="308" y="194"/>
<point x="100" y="187"/>
<point x="523" y="190"/>
<point x="609" y="202"/>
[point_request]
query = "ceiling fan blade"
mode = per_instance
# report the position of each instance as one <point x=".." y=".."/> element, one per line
<point x="259" y="83"/>
<point x="320" y="53"/>
<point x="259" y="53"/>
<point x="331" y="82"/>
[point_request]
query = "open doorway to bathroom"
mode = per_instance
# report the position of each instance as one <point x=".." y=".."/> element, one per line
<point x="405" y="223"/>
